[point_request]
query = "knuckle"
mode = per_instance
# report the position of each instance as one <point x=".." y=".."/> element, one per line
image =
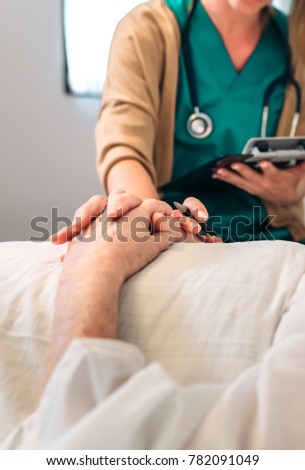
<point x="117" y="191"/>
<point x="117" y="198"/>
<point x="150" y="201"/>
<point x="155" y="205"/>
<point x="167" y="208"/>
<point x="82" y="211"/>
<point x="147" y="202"/>
<point x="94" y="203"/>
<point x="147" y="206"/>
<point x="241" y="169"/>
<point x="129" y="197"/>
<point x="95" y="198"/>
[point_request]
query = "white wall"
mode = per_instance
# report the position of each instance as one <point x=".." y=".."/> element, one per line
<point x="47" y="153"/>
<point x="284" y="5"/>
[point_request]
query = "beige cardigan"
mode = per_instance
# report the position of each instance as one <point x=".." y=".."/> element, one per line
<point x="137" y="115"/>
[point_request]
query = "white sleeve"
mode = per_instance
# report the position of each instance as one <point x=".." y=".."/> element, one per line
<point x="102" y="395"/>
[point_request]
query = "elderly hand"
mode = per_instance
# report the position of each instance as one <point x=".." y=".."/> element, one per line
<point x="272" y="185"/>
<point x="118" y="204"/>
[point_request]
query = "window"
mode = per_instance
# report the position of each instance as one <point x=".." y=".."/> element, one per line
<point x="283" y="5"/>
<point x="88" y="29"/>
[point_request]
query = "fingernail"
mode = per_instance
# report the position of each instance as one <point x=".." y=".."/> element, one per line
<point x="235" y="167"/>
<point x="112" y="211"/>
<point x="177" y="214"/>
<point x="197" y="230"/>
<point x="220" y="172"/>
<point x="195" y="227"/>
<point x="202" y="215"/>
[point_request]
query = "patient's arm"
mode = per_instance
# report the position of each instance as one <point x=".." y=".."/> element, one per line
<point x="87" y="299"/>
<point x="94" y="271"/>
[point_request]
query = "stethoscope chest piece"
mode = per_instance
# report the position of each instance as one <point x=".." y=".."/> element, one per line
<point x="199" y="125"/>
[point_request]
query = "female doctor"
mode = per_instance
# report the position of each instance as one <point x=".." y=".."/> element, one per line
<point x="224" y="61"/>
<point x="187" y="82"/>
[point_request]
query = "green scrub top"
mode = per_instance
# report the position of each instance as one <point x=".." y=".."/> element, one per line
<point x="234" y="101"/>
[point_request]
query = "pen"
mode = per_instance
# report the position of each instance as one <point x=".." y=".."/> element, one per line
<point x="187" y="213"/>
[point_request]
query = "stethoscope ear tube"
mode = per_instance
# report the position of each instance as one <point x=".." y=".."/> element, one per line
<point x="298" y="106"/>
<point x="294" y="125"/>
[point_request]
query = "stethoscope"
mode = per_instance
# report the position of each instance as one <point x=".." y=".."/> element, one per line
<point x="199" y="124"/>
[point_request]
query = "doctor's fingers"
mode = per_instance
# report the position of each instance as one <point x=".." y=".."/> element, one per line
<point x="187" y="223"/>
<point x="252" y="187"/>
<point x="120" y="202"/>
<point x="273" y="172"/>
<point x="174" y="228"/>
<point x="164" y="219"/>
<point x="269" y="169"/>
<point x="163" y="223"/>
<point x="197" y="208"/>
<point x="246" y="172"/>
<point x="155" y="214"/>
<point x="150" y="206"/>
<point x="82" y="217"/>
<point x="178" y="227"/>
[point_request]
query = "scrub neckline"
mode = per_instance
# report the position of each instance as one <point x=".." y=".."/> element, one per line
<point x="224" y="47"/>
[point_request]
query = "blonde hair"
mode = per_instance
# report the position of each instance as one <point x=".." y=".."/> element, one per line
<point x="297" y="32"/>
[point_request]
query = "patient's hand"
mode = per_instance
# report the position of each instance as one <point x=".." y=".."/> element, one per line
<point x="118" y="204"/>
<point x="200" y="214"/>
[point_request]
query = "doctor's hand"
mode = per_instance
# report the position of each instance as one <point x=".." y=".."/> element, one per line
<point x="93" y="208"/>
<point x="119" y="203"/>
<point x="279" y="186"/>
<point x="200" y="214"/>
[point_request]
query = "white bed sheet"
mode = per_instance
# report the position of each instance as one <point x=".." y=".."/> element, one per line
<point x="205" y="313"/>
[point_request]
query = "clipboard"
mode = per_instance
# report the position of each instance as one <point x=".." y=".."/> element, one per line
<point x="283" y="152"/>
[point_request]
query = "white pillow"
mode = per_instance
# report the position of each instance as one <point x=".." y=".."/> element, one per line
<point x="28" y="282"/>
<point x="206" y="312"/>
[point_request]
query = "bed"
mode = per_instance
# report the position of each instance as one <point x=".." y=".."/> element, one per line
<point x="226" y="318"/>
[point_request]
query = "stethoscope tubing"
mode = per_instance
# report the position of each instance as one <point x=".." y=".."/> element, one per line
<point x="202" y="121"/>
